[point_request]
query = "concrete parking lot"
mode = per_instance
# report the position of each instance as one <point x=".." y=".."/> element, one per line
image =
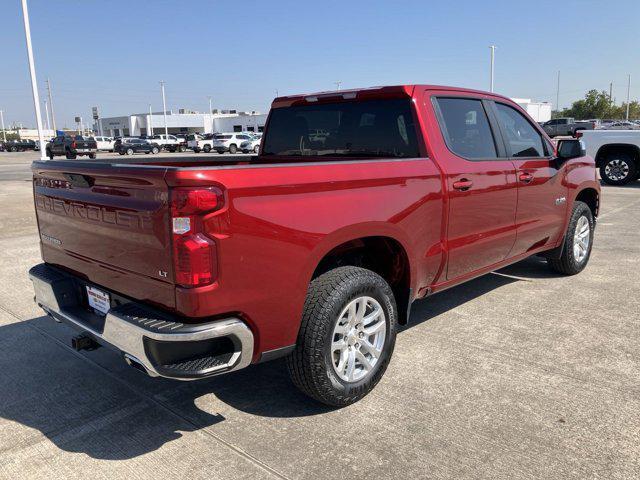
<point x="518" y="374"/>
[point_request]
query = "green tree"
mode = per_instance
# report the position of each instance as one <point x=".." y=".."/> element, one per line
<point x="597" y="104"/>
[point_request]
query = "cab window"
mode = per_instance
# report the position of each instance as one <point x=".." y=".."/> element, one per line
<point x="465" y="127"/>
<point x="522" y="139"/>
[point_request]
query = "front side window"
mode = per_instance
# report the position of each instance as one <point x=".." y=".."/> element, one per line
<point x="523" y="140"/>
<point x="466" y="129"/>
<point x="369" y="128"/>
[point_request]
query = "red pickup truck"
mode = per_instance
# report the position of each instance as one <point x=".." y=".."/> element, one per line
<point x="359" y="203"/>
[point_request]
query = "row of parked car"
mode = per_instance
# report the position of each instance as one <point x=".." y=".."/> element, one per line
<point x="569" y="126"/>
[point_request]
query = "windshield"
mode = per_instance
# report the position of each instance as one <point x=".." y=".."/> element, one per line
<point x="372" y="128"/>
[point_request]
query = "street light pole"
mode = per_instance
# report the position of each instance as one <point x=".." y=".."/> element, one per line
<point x="628" y="94"/>
<point x="493" y="58"/>
<point x="53" y="117"/>
<point x="558" y="93"/>
<point x="4" y="133"/>
<point x="34" y="84"/>
<point x="338" y="83"/>
<point x="46" y="115"/>
<point x="164" y="109"/>
<point x="150" y="121"/>
<point x="210" y="107"/>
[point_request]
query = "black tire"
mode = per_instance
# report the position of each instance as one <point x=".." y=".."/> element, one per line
<point x="129" y="151"/>
<point x="13" y="149"/>
<point x="618" y="168"/>
<point x="196" y="150"/>
<point x="233" y="149"/>
<point x="92" y="156"/>
<point x="121" y="153"/>
<point x="49" y="154"/>
<point x="256" y="149"/>
<point x="181" y="148"/>
<point x="311" y="363"/>
<point x="206" y="148"/>
<point x="567" y="264"/>
<point x="155" y="150"/>
<point x="70" y="156"/>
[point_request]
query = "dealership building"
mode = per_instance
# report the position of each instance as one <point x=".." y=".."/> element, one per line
<point x="184" y="121"/>
<point x="539" y="111"/>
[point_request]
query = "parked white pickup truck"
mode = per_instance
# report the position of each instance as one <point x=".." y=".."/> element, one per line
<point x="167" y="142"/>
<point x="199" y="143"/>
<point x="616" y="152"/>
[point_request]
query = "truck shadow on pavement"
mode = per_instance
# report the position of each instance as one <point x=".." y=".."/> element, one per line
<point x="92" y="403"/>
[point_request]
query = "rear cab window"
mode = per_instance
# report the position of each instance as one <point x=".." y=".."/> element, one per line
<point x="367" y="128"/>
<point x="465" y="127"/>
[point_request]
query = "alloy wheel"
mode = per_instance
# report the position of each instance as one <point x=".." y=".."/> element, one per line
<point x="358" y="339"/>
<point x="581" y="238"/>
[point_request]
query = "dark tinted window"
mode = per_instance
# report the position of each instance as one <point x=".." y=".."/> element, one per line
<point x="378" y="128"/>
<point x="523" y="139"/>
<point x="466" y="128"/>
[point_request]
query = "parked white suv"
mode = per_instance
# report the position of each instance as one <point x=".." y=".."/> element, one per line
<point x="249" y="146"/>
<point x="104" y="143"/>
<point x="229" y="142"/>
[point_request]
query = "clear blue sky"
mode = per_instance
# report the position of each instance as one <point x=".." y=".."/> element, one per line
<point x="113" y="53"/>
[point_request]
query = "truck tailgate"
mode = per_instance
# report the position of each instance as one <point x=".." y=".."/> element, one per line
<point x="110" y="224"/>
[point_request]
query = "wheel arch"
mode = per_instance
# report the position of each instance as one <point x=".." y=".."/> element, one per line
<point x="612" y="147"/>
<point x="380" y="252"/>
<point x="591" y="197"/>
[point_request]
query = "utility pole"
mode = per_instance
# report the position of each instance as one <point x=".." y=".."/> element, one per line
<point x="628" y="94"/>
<point x="611" y="94"/>
<point x="558" y="93"/>
<point x="4" y="133"/>
<point x="164" y="109"/>
<point x="210" y="107"/>
<point x="53" y="117"/>
<point x="150" y="121"/>
<point x="34" y="84"/>
<point x="493" y="60"/>
<point x="338" y="83"/>
<point x="277" y="94"/>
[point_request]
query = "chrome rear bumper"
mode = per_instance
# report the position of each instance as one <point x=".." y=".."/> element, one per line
<point x="154" y="340"/>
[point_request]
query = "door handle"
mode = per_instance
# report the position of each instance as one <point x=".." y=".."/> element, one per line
<point x="463" y="185"/>
<point x="525" y="177"/>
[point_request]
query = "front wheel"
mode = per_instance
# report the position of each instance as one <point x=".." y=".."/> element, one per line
<point x="578" y="242"/>
<point x="129" y="151"/>
<point x="207" y="148"/>
<point x="233" y="149"/>
<point x="49" y="154"/>
<point x="619" y="168"/>
<point x="155" y="150"/>
<point x="346" y="337"/>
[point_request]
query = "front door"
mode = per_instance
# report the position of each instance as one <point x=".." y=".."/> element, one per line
<point x="542" y="194"/>
<point x="481" y="185"/>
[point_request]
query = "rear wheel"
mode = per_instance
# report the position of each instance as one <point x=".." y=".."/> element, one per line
<point x="181" y="148"/>
<point x="256" y="149"/>
<point x="207" y="148"/>
<point x="13" y="149"/>
<point x="69" y="155"/>
<point x="618" y="168"/>
<point x="233" y="148"/>
<point x="196" y="150"/>
<point x="129" y="151"/>
<point x="578" y="241"/>
<point x="92" y="155"/>
<point x="155" y="150"/>
<point x="346" y="337"/>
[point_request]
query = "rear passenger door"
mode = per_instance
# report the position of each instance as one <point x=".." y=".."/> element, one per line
<point x="481" y="184"/>
<point x="541" y="191"/>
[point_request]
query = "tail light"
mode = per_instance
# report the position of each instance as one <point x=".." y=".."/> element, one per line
<point x="194" y="254"/>
<point x="579" y="134"/>
<point x="73" y="144"/>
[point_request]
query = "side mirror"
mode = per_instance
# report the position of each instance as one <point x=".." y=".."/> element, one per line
<point x="568" y="149"/>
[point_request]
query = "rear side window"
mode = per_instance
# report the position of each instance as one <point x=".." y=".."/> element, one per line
<point x="465" y="128"/>
<point x="371" y="128"/>
<point x="523" y="140"/>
